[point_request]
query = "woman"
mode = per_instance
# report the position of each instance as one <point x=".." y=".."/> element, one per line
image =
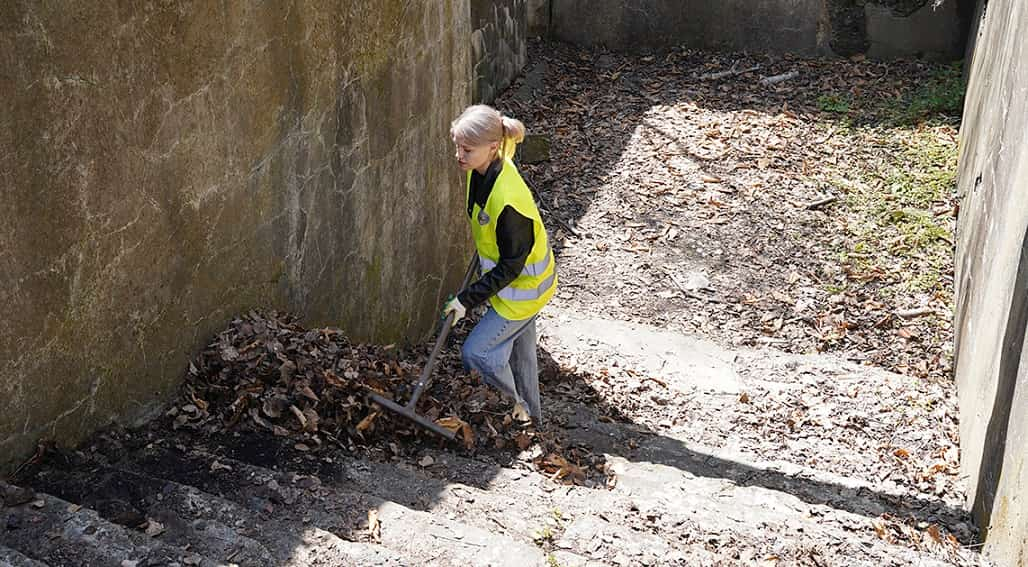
<point x="517" y="270"/>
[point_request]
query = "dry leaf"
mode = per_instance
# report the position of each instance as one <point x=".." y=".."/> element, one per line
<point x="450" y="423"/>
<point x="560" y="468"/>
<point x="217" y="466"/>
<point x="881" y="529"/>
<point x="468" y="434"/>
<point x="154" y="528"/>
<point x="368" y="421"/>
<point x="201" y="404"/>
<point x="313" y="419"/>
<point x="333" y="380"/>
<point x="456" y="424"/>
<point x="523" y="440"/>
<point x="299" y="416"/>
<point x="374" y="526"/>
<point x="306" y="392"/>
<point x="783" y="297"/>
<point x="933" y="532"/>
<point x="901" y="453"/>
<point x="273" y="407"/>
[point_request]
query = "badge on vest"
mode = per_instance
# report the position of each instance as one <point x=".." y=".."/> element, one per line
<point x="483" y="219"/>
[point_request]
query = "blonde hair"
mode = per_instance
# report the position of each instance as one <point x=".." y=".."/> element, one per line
<point x="481" y="124"/>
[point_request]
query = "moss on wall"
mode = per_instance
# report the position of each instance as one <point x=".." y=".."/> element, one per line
<point x="167" y="165"/>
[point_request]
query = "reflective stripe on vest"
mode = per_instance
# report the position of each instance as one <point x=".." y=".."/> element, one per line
<point x="536" y="269"/>
<point x="517" y="294"/>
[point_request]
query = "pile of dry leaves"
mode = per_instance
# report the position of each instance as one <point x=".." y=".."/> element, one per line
<point x="266" y="372"/>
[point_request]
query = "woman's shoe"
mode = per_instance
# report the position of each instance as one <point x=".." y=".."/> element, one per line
<point x="520" y="414"/>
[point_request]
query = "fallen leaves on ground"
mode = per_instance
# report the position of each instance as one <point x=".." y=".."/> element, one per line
<point x="687" y="162"/>
<point x="267" y="372"/>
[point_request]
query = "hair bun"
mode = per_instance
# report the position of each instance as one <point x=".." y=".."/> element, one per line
<point x="513" y="129"/>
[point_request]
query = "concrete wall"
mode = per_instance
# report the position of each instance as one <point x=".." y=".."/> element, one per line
<point x="499" y="45"/>
<point x="879" y="28"/>
<point x="538" y="15"/>
<point x="992" y="281"/>
<point x="166" y="165"/>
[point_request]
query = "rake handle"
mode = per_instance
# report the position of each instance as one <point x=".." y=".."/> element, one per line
<point x="444" y="332"/>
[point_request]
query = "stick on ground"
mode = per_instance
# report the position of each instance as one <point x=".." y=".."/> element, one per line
<point x="774" y="80"/>
<point x="729" y="73"/>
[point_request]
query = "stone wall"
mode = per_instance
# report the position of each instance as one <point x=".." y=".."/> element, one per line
<point x="992" y="281"/>
<point x="879" y="28"/>
<point x="166" y="165"/>
<point x="499" y="44"/>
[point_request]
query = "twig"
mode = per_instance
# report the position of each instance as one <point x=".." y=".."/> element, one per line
<point x="557" y="218"/>
<point x="468" y="543"/>
<point x="771" y="340"/>
<point x="768" y="81"/>
<point x="652" y="379"/>
<point x="729" y="73"/>
<point x="35" y="459"/>
<point x="912" y="313"/>
<point x="820" y="203"/>
<point x="688" y="293"/>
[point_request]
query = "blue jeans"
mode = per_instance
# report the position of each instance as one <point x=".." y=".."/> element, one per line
<point x="503" y="352"/>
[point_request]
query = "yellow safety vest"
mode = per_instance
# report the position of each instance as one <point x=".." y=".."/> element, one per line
<point x="534" y="286"/>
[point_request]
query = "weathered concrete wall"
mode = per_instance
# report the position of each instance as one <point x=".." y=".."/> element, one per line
<point x="499" y="45"/>
<point x="538" y="14"/>
<point x="165" y="165"/>
<point x="992" y="281"/>
<point x="780" y="25"/>
<point x="880" y="28"/>
<point x="934" y="32"/>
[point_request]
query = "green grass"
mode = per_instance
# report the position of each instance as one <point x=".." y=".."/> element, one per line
<point x="837" y="104"/>
<point x="942" y="94"/>
<point x="544" y="535"/>
<point x="940" y="98"/>
<point x="834" y="289"/>
<point x="893" y="223"/>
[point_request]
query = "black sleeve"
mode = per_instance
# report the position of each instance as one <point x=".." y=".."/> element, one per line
<point x="515" y="236"/>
